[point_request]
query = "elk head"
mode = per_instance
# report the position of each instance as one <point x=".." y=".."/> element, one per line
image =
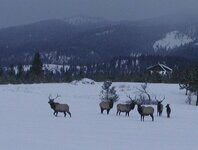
<point x="132" y="101"/>
<point x="159" y="101"/>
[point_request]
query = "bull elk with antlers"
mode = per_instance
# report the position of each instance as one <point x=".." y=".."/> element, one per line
<point x="126" y="107"/>
<point x="159" y="106"/>
<point x="57" y="107"/>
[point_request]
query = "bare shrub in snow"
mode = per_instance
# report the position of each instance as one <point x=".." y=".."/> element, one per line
<point x="144" y="95"/>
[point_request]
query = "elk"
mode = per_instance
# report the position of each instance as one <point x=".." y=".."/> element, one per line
<point x="106" y="105"/>
<point x="168" y="110"/>
<point x="126" y="107"/>
<point x="159" y="106"/>
<point x="57" y="107"/>
<point x="145" y="111"/>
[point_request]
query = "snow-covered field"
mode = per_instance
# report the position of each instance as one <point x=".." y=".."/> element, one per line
<point x="27" y="121"/>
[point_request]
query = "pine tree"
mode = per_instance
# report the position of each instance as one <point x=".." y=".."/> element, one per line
<point x="11" y="71"/>
<point x="20" y="73"/>
<point x="1" y="75"/>
<point x="108" y="92"/>
<point x="37" y="65"/>
<point x="185" y="78"/>
<point x="20" y="70"/>
<point x="193" y="86"/>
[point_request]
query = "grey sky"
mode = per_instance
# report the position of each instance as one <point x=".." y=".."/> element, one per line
<point x="14" y="12"/>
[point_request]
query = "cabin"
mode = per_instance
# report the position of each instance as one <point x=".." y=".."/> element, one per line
<point x="160" y="69"/>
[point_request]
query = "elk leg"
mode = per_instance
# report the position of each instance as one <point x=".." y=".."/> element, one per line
<point x="69" y="113"/>
<point x="64" y="114"/>
<point x="101" y="110"/>
<point x="152" y="117"/>
<point x="127" y="114"/>
<point x="117" y="113"/>
<point x="142" y="117"/>
<point x="168" y="115"/>
<point x="108" y="111"/>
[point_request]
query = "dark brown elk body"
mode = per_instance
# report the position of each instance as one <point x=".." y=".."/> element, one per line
<point x="145" y="111"/>
<point x="106" y="105"/>
<point x="57" y="107"/>
<point x="159" y="108"/>
<point x="125" y="108"/>
<point x="168" y="110"/>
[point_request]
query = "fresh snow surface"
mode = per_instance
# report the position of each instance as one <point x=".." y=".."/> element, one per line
<point x="55" y="68"/>
<point x="83" y="81"/>
<point x="172" y="40"/>
<point x="27" y="121"/>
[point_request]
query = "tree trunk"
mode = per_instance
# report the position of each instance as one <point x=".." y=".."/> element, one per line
<point x="197" y="99"/>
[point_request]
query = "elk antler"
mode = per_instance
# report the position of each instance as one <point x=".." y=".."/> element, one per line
<point x="163" y="98"/>
<point x="129" y="97"/>
<point x="159" y="100"/>
<point x="57" y="96"/>
<point x="49" y="97"/>
<point x="53" y="98"/>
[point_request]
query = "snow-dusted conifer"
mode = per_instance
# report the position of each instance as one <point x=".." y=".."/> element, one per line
<point x="108" y="93"/>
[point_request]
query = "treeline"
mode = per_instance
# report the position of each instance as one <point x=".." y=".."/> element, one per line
<point x="34" y="74"/>
<point x="125" y="69"/>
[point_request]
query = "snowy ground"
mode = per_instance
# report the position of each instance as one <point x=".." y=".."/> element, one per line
<point x="27" y="121"/>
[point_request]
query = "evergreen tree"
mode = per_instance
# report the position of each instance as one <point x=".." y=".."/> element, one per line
<point x="11" y="71"/>
<point x="1" y="72"/>
<point x="185" y="78"/>
<point x="193" y="86"/>
<point x="20" y="73"/>
<point x="1" y="75"/>
<point x="11" y="78"/>
<point x="108" y="92"/>
<point x="20" y="70"/>
<point x="37" y="65"/>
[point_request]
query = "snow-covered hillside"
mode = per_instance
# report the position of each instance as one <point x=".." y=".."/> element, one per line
<point x="27" y="121"/>
<point x="172" y="40"/>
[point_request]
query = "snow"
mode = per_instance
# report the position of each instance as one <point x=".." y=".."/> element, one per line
<point x="55" y="68"/>
<point x="83" y="81"/>
<point x="172" y="40"/>
<point x="27" y="121"/>
<point x="50" y="67"/>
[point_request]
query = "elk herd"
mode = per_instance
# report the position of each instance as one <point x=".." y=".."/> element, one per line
<point x="143" y="110"/>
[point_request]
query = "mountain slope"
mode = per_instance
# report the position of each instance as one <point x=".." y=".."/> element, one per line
<point x="86" y="40"/>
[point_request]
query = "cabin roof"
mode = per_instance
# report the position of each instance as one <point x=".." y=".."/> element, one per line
<point x="159" y="67"/>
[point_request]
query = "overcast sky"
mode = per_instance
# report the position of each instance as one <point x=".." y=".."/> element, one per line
<point x="15" y="12"/>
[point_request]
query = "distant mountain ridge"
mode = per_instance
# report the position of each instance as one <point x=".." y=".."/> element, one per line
<point x="85" y="20"/>
<point x="83" y="40"/>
